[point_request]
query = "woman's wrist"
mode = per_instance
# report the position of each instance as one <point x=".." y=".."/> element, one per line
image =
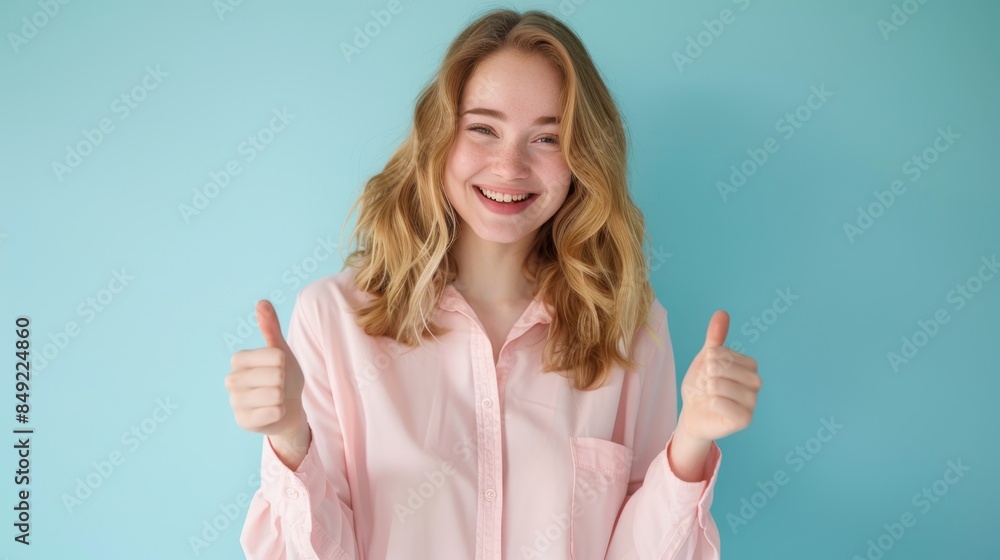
<point x="687" y="455"/>
<point x="292" y="447"/>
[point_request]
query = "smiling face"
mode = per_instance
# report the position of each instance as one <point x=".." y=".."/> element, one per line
<point x="507" y="142"/>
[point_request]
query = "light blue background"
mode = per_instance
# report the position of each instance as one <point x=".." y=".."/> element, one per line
<point x="163" y="336"/>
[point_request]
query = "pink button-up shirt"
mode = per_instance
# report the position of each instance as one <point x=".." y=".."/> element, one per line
<point x="435" y="452"/>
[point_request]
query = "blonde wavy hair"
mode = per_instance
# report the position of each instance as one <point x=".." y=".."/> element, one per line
<point x="588" y="260"/>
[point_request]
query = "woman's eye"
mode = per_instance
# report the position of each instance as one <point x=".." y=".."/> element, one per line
<point x="477" y="128"/>
<point x="484" y="130"/>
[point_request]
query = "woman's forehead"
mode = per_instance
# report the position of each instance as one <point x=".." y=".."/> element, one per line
<point x="514" y="85"/>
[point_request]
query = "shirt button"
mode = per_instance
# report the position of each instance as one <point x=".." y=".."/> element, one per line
<point x="292" y="493"/>
<point x="487" y="403"/>
<point x="491" y="494"/>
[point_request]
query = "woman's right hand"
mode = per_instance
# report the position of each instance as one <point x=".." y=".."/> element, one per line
<point x="265" y="384"/>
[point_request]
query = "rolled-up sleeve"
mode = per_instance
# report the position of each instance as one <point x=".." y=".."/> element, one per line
<point x="305" y="513"/>
<point x="663" y="517"/>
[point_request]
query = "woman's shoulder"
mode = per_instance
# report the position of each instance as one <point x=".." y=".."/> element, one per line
<point x="333" y="291"/>
<point x="657" y="314"/>
<point x="656" y="310"/>
<point x="651" y="333"/>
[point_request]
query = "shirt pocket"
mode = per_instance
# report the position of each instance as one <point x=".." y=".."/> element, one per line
<point x="600" y="480"/>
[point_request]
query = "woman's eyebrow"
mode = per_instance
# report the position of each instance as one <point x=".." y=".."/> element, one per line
<point x="500" y="115"/>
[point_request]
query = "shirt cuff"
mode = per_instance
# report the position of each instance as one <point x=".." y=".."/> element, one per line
<point x="702" y="491"/>
<point x="291" y="492"/>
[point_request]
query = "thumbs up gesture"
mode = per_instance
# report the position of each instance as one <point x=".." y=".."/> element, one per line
<point x="719" y="389"/>
<point x="265" y="384"/>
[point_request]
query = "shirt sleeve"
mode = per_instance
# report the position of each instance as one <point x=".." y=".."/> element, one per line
<point x="305" y="513"/>
<point x="663" y="517"/>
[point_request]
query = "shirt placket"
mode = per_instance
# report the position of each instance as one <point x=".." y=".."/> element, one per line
<point x="490" y="514"/>
<point x="489" y="427"/>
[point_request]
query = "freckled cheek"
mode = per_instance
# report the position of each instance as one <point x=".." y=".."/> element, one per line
<point x="556" y="173"/>
<point x="468" y="158"/>
<point x="457" y="167"/>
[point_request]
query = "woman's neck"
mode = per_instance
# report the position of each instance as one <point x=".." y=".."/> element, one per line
<point x="492" y="273"/>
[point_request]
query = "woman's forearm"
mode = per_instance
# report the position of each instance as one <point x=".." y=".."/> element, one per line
<point x="687" y="456"/>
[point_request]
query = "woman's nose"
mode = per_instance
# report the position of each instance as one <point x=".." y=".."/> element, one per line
<point x="510" y="162"/>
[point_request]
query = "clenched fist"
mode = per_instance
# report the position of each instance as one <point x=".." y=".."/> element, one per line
<point x="265" y="384"/>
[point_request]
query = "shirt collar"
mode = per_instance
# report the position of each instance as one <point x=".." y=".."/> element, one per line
<point x="538" y="311"/>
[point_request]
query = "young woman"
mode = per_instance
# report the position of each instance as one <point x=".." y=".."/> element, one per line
<point x="491" y="375"/>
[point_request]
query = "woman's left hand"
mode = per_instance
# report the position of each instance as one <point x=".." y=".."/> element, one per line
<point x="719" y="389"/>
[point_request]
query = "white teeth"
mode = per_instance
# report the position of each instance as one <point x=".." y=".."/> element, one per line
<point x="500" y="197"/>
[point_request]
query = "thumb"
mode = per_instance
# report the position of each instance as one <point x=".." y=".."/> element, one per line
<point x="267" y="320"/>
<point x="718" y="327"/>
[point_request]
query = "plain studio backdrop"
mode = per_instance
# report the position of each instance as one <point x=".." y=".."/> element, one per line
<point x="824" y="171"/>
